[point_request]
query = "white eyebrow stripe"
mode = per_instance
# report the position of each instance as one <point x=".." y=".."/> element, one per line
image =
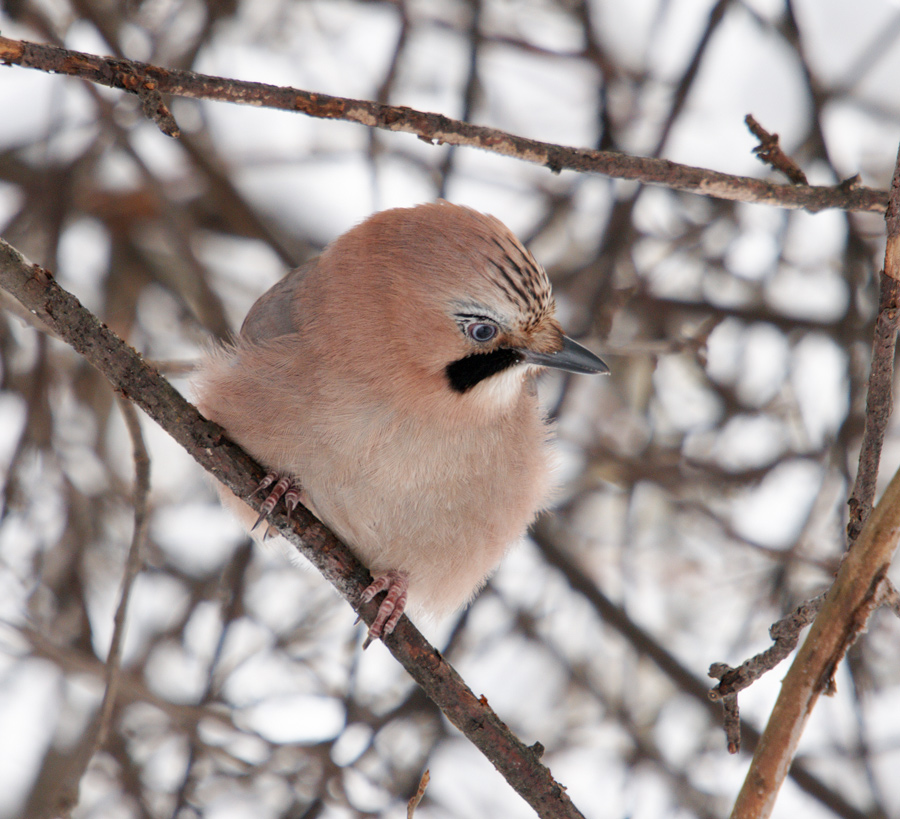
<point x="473" y="310"/>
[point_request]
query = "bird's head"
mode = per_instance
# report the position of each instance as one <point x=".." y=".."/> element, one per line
<point x="468" y="310"/>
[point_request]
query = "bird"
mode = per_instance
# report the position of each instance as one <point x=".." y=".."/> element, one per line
<point x="388" y="386"/>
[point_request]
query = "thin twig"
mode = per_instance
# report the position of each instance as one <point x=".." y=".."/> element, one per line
<point x="436" y="128"/>
<point x="769" y="151"/>
<point x="879" y="396"/>
<point x="879" y="402"/>
<point x="417" y="796"/>
<point x="785" y="635"/>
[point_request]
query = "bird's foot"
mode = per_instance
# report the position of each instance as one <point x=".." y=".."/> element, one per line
<point x="284" y="487"/>
<point x="396" y="584"/>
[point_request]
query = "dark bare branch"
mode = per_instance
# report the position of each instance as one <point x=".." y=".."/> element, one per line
<point x="436" y="128"/>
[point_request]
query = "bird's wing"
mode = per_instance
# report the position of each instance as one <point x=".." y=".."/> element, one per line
<point x="272" y="314"/>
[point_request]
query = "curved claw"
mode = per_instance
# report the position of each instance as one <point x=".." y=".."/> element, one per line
<point x="292" y="498"/>
<point x="396" y="584"/>
<point x="285" y="487"/>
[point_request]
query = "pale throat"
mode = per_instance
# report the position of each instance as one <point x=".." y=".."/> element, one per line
<point x="501" y="391"/>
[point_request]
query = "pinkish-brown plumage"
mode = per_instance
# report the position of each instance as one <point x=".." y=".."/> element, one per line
<point x="391" y="379"/>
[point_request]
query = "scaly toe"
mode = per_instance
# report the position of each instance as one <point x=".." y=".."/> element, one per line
<point x="284" y="488"/>
<point x="396" y="584"/>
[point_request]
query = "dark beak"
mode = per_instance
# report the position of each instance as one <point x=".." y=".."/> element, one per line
<point x="572" y="358"/>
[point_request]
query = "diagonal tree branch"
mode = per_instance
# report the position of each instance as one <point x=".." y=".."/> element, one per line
<point x="131" y="377"/>
<point x="149" y="82"/>
<point x="856" y="592"/>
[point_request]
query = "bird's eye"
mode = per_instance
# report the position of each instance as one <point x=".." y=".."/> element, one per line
<point x="481" y="332"/>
